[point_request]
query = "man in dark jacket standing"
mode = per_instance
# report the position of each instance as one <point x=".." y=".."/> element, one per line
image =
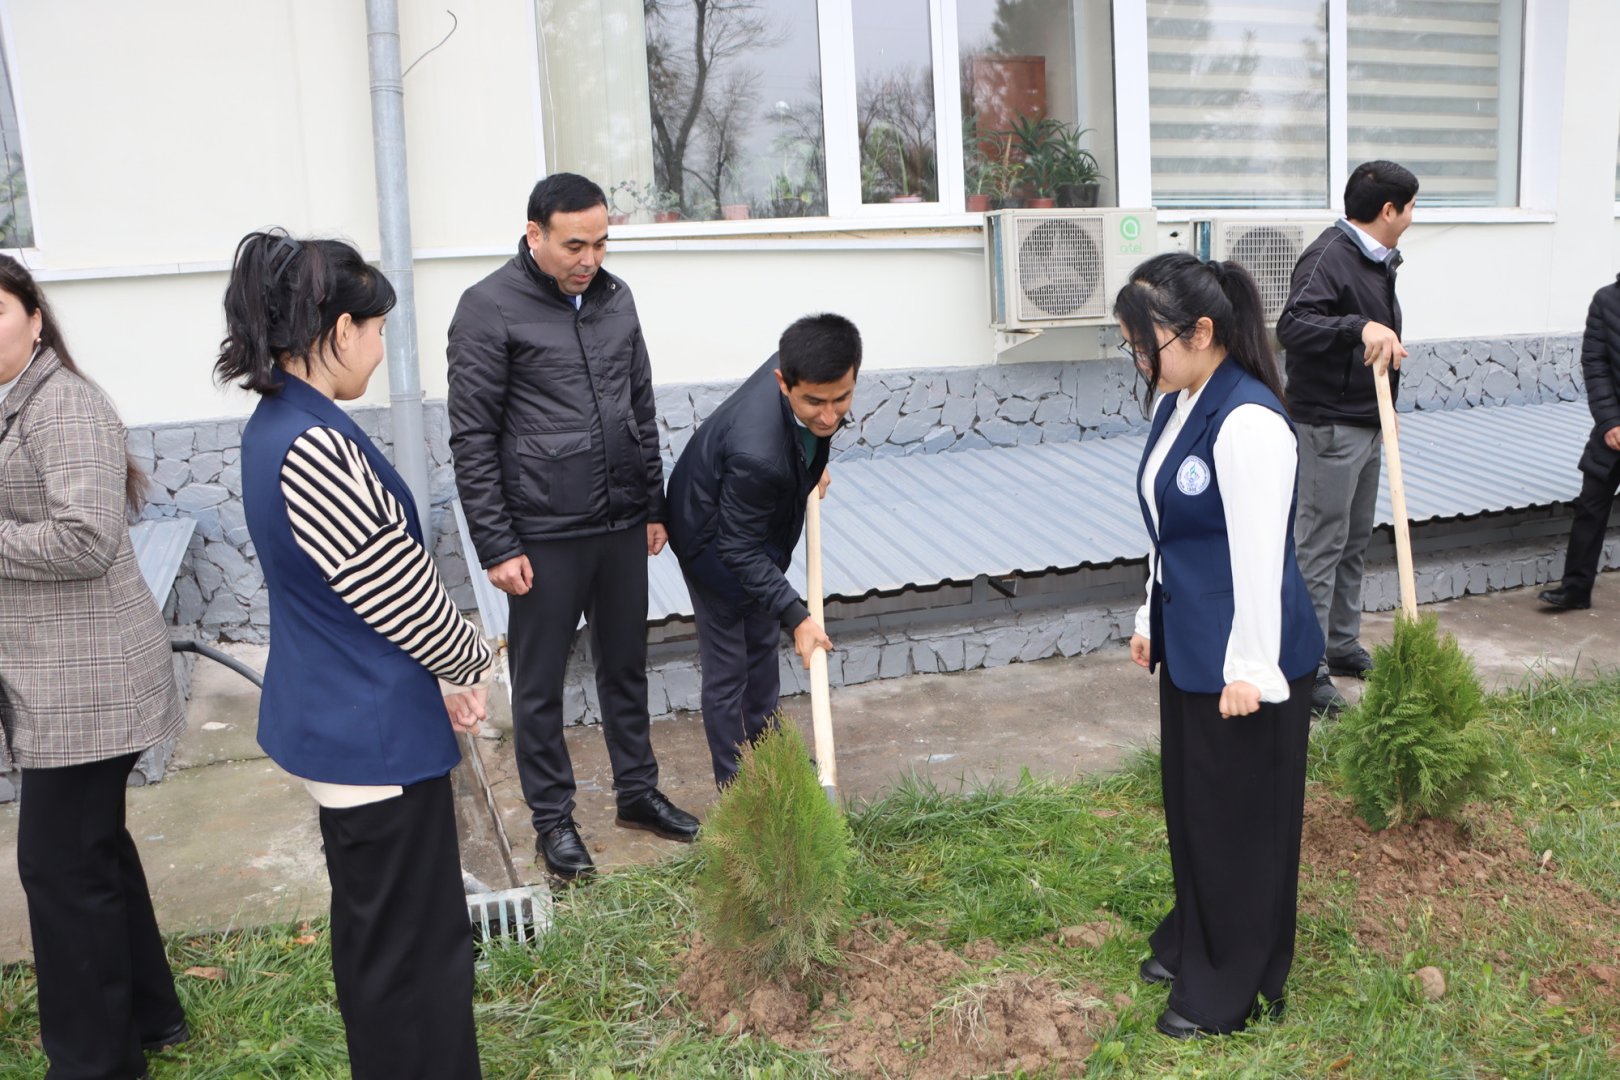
<point x="1600" y="463"/>
<point x="1340" y="321"/>
<point x="737" y="503"/>
<point x="555" y="439"/>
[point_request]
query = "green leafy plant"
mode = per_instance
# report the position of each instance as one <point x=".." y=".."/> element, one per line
<point x="775" y="857"/>
<point x="1415" y="745"/>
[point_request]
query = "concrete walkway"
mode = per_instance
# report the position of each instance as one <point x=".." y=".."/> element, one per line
<point x="229" y="840"/>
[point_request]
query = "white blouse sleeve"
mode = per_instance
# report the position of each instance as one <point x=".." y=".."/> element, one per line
<point x="1256" y="458"/>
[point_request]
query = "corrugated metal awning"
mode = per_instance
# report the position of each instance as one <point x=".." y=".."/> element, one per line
<point x="934" y="519"/>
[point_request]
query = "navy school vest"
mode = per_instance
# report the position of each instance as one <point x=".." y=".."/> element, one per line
<point x="1191" y="609"/>
<point x="341" y="703"/>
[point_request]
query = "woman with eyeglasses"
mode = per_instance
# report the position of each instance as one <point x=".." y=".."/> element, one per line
<point x="1229" y="626"/>
<point x="362" y="633"/>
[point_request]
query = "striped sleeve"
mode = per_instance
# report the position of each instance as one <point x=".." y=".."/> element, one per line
<point x="346" y="521"/>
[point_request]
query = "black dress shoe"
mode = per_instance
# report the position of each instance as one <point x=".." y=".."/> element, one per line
<point x="1566" y="599"/>
<point x="1153" y="973"/>
<point x="1176" y="1026"/>
<point x="656" y="814"/>
<point x="564" y="851"/>
<point x="1356" y="662"/>
<point x="174" y="1036"/>
<point x="1325" y="697"/>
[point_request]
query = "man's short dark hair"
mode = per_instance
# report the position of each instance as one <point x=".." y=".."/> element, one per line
<point x="563" y="193"/>
<point x="819" y="349"/>
<point x="1375" y="183"/>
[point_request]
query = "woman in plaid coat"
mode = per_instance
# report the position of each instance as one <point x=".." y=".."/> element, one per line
<point x="86" y="684"/>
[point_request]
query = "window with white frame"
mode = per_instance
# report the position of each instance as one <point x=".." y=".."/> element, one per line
<point x="728" y="109"/>
<point x="894" y="110"/>
<point x="16" y="225"/>
<point x="1244" y="110"/>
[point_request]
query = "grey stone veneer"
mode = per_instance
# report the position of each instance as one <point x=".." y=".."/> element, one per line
<point x="195" y="469"/>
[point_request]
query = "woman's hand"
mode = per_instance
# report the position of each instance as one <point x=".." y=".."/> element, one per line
<point x="1139" y="650"/>
<point x="1240" y="699"/>
<point x="466" y="709"/>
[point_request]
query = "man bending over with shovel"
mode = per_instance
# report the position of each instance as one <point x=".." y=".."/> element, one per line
<point x="736" y="509"/>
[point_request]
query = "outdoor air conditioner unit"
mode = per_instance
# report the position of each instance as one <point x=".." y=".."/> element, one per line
<point x="1050" y="268"/>
<point x="1267" y="249"/>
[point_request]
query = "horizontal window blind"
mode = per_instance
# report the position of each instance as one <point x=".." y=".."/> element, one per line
<point x="1434" y="85"/>
<point x="1237" y="96"/>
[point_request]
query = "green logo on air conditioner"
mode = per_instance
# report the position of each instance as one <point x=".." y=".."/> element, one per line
<point x="1130" y="228"/>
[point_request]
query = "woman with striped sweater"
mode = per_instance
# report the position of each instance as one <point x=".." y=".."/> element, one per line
<point x="362" y="638"/>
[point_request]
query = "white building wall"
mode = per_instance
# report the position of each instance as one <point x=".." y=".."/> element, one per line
<point x="155" y="142"/>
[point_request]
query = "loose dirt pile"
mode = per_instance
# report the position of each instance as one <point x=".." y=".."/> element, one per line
<point x="1455" y="876"/>
<point x="905" y="1007"/>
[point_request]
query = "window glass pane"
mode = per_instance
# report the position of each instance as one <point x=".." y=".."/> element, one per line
<point x="1237" y="98"/>
<point x="894" y="101"/>
<point x="16" y="226"/>
<point x="1434" y="85"/>
<point x="1020" y="76"/>
<point x="687" y="109"/>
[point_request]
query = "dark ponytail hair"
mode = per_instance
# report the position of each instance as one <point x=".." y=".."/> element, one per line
<point x="16" y="280"/>
<point x="1175" y="290"/>
<point x="284" y="300"/>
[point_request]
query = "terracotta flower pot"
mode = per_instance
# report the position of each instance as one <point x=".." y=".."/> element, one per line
<point x="1041" y="202"/>
<point x="734" y="212"/>
<point x="663" y="216"/>
<point x="978" y="204"/>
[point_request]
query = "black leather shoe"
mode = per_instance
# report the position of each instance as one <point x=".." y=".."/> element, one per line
<point x="174" y="1036"/>
<point x="656" y="814"/>
<point x="564" y="851"/>
<point x="1153" y="973"/>
<point x="1357" y="662"/>
<point x="1325" y="697"/>
<point x="1564" y="599"/>
<point x="1176" y="1026"/>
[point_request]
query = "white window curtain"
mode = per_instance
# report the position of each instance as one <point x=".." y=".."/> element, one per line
<point x="1237" y="102"/>
<point x="1434" y="85"/>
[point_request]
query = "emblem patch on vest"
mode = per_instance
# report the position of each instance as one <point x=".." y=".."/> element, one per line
<point x="1193" y="476"/>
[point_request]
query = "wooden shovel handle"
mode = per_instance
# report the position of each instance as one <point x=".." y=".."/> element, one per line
<point x="820" y="692"/>
<point x="1397" y="491"/>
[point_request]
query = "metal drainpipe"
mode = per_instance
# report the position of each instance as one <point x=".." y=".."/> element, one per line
<point x="394" y="226"/>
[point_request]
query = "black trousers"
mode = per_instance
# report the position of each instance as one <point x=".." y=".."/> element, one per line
<point x="402" y="953"/>
<point x="1234" y="802"/>
<point x="104" y="980"/>
<point x="605" y="578"/>
<point x="1587" y="530"/>
<point x="737" y="648"/>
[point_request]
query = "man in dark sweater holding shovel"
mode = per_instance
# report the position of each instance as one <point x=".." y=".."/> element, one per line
<point x="736" y="509"/>
<point x="1341" y="319"/>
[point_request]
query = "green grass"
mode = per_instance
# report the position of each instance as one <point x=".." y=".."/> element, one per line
<point x="595" y="999"/>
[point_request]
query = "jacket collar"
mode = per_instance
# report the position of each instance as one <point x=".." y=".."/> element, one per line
<point x="548" y="284"/>
<point x="42" y="367"/>
<point x="1392" y="256"/>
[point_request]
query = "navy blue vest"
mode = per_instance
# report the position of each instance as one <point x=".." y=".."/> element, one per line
<point x="341" y="703"/>
<point x="1191" y="609"/>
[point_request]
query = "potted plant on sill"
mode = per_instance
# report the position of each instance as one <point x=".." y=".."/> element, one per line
<point x="1075" y="174"/>
<point x="1030" y="136"/>
<point x="665" y="205"/>
<point x="1003" y="176"/>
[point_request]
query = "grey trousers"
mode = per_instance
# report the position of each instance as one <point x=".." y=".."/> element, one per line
<point x="1338" y="496"/>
